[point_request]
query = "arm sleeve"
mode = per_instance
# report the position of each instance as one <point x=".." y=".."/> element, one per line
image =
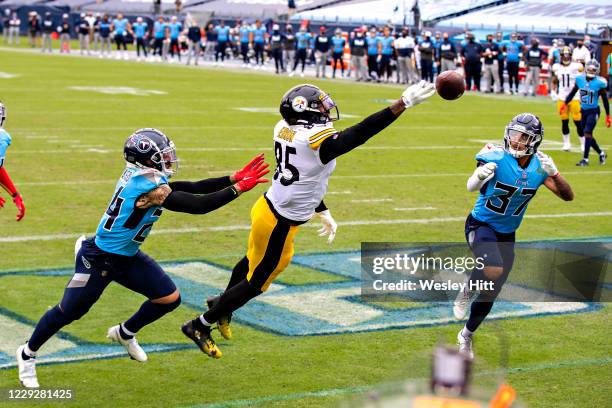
<point x="181" y="201"/>
<point x="205" y="186"/>
<point x="356" y="135"/>
<point x="570" y="96"/>
<point x="321" y="207"/>
<point x="606" y="103"/>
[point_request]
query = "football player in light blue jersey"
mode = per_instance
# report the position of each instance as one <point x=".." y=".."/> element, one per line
<point x="141" y="34"/>
<point x="175" y="30"/>
<point x="5" y="180"/>
<point x="121" y="27"/>
<point x="245" y="38"/>
<point x="114" y="254"/>
<point x="507" y="178"/>
<point x="591" y="87"/>
<point x="258" y="39"/>
<point x="338" y="44"/>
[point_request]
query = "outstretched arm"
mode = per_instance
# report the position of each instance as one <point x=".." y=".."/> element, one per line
<point x="560" y="187"/>
<point x="354" y="136"/>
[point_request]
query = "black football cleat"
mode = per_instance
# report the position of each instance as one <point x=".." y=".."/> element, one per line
<point x="202" y="339"/>
<point x="582" y="163"/>
<point x="602" y="157"/>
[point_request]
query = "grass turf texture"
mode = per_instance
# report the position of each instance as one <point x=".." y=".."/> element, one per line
<point x="53" y="127"/>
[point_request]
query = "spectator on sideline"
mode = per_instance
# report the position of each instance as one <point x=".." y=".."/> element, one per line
<point x="13" y="30"/>
<point x="501" y="62"/>
<point x="358" y="52"/>
<point x="472" y="52"/>
<point x="83" y="34"/>
<point x="47" y="31"/>
<point x="581" y="53"/>
<point x="277" y="41"/>
<point x="64" y="32"/>
<point x="105" y="36"/>
<point x="33" y="29"/>
<point x="96" y="32"/>
<point x="290" y="44"/>
<point x="194" y="39"/>
<point x="427" y="50"/>
<point x="141" y="34"/>
<point x="447" y="54"/>
<point x="513" y="50"/>
<point x="210" y="48"/>
<point x="222" y="39"/>
<point x="533" y="65"/>
<point x="321" y="50"/>
<point x="245" y="37"/>
<point x="609" y="62"/>
<point x="491" y="69"/>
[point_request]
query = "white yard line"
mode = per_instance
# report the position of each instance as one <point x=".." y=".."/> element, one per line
<point x="413" y="208"/>
<point x="372" y="200"/>
<point x="55" y="237"/>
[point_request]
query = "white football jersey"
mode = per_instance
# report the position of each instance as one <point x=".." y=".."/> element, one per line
<point x="566" y="74"/>
<point x="300" y="180"/>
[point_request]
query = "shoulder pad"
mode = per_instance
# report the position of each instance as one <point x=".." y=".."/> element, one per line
<point x="5" y="137"/>
<point x="149" y="178"/>
<point x="490" y="153"/>
<point x="317" y="134"/>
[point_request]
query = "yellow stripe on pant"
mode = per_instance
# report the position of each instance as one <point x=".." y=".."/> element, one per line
<point x="270" y="245"/>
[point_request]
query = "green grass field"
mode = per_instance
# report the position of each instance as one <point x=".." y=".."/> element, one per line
<point x="67" y="154"/>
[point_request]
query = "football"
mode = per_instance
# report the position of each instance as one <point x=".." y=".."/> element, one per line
<point x="450" y="85"/>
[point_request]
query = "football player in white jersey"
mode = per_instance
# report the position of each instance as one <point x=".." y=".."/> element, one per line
<point x="306" y="146"/>
<point x="564" y="78"/>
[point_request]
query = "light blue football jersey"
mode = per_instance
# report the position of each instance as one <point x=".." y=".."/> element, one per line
<point x="503" y="200"/>
<point x="123" y="227"/>
<point x="5" y="142"/>
<point x="589" y="90"/>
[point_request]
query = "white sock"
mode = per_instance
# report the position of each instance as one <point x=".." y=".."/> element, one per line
<point x="566" y="139"/>
<point x="29" y="352"/>
<point x="466" y="333"/>
<point x="204" y="322"/>
<point x="581" y="141"/>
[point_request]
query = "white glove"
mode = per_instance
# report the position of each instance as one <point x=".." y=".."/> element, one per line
<point x="417" y="93"/>
<point x="548" y="165"/>
<point x="554" y="96"/>
<point x="329" y="226"/>
<point x="485" y="171"/>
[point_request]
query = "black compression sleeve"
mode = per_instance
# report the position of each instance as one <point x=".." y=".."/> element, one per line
<point x="356" y="135"/>
<point x="321" y="207"/>
<point x="181" y="201"/>
<point x="205" y="186"/>
<point x="604" y="98"/>
<point x="570" y="96"/>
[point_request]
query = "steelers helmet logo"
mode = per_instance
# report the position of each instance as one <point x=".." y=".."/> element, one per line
<point x="143" y="145"/>
<point x="299" y="104"/>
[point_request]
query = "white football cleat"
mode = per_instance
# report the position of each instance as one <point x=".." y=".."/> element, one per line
<point x="78" y="244"/>
<point x="566" y="147"/>
<point x="27" y="370"/>
<point x="462" y="303"/>
<point x="131" y="346"/>
<point x="465" y="344"/>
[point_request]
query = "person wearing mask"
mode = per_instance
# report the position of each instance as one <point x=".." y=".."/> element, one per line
<point x="427" y="50"/>
<point x="374" y="51"/>
<point x="358" y="52"/>
<point x="581" y="53"/>
<point x="338" y="44"/>
<point x="33" y="29"/>
<point x="210" y="47"/>
<point x="491" y="71"/>
<point x="244" y="34"/>
<point x="47" y="31"/>
<point x="277" y="41"/>
<point x="83" y="34"/>
<point x="303" y="38"/>
<point x="175" y="28"/>
<point x="472" y="52"/>
<point x="447" y="54"/>
<point x="533" y="62"/>
<point x="194" y="38"/>
<point x="105" y="34"/>
<point x="258" y="41"/>
<point x="290" y="44"/>
<point x="222" y="39"/>
<point x="501" y="60"/>
<point x="13" y="29"/>
<point x="321" y="50"/>
<point x="386" y="52"/>
<point x="513" y="51"/>
<point x="141" y="33"/>
<point x="64" y="32"/>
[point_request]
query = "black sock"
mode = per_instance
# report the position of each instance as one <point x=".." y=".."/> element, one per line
<point x="565" y="126"/>
<point x="123" y="334"/>
<point x="587" y="147"/>
<point x="239" y="273"/>
<point x="25" y="356"/>
<point x="478" y="312"/>
<point x="148" y="313"/>
<point x="595" y="146"/>
<point x="198" y="325"/>
<point x="51" y="322"/>
<point x="579" y="128"/>
<point x="231" y="300"/>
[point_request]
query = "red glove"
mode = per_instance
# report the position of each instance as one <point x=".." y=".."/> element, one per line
<point x="20" y="206"/>
<point x="240" y="174"/>
<point x="563" y="108"/>
<point x="2" y="201"/>
<point x="608" y="121"/>
<point x="253" y="176"/>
